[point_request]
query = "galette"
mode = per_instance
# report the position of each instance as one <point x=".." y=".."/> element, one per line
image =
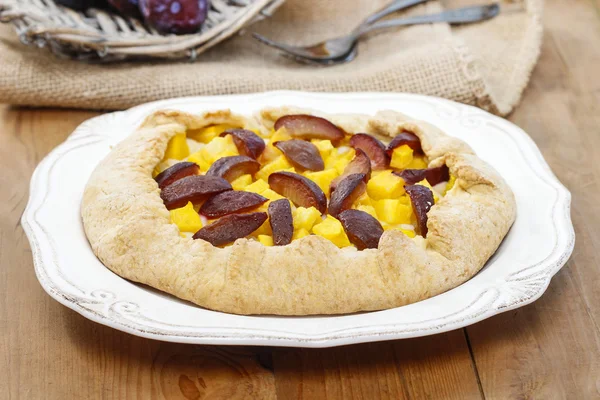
<point x="295" y="212"/>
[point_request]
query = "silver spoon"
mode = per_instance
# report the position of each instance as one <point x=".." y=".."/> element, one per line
<point x="343" y="49"/>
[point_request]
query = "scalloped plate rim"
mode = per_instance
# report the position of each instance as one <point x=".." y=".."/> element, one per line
<point x="320" y="340"/>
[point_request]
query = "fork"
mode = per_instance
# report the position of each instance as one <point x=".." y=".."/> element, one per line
<point x="344" y="49"/>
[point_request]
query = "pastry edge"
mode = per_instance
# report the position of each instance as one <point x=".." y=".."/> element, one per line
<point x="129" y="230"/>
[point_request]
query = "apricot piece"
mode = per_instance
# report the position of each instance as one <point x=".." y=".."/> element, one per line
<point x="232" y="167"/>
<point x="281" y="220"/>
<point x="196" y="188"/>
<point x="347" y="191"/>
<point x="301" y="154"/>
<point x="362" y="229"/>
<point x="300" y="190"/>
<point x="374" y="149"/>
<point x="248" y="143"/>
<point x="308" y="127"/>
<point x="176" y="172"/>
<point x="421" y="198"/>
<point x="231" y="227"/>
<point x="407" y="138"/>
<point x="231" y="202"/>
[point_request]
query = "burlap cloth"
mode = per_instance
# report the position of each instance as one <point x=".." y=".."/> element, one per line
<point x="487" y="64"/>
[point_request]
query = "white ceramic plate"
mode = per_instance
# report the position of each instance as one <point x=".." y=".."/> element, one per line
<point x="537" y="246"/>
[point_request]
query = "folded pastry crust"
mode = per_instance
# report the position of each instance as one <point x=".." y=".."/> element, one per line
<point x="129" y="230"/>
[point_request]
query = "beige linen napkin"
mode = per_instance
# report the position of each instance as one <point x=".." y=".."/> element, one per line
<point x="487" y="64"/>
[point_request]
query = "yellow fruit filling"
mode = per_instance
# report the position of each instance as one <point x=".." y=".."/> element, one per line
<point x="325" y="147"/>
<point x="265" y="240"/>
<point x="242" y="182"/>
<point x="401" y="157"/>
<point x="305" y="218"/>
<point x="383" y="197"/>
<point x="323" y="178"/>
<point x="332" y="229"/>
<point x="206" y="135"/>
<point x="186" y="218"/>
<point x="385" y="185"/>
<point x="177" y="149"/>
<point x="278" y="164"/>
<point x="258" y="186"/>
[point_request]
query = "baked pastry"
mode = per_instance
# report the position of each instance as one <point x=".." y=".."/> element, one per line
<point x="293" y="212"/>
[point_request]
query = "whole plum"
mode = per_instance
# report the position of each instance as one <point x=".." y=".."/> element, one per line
<point x="126" y="7"/>
<point x="82" y="5"/>
<point x="174" y="16"/>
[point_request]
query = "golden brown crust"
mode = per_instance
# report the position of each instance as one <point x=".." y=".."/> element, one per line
<point x="129" y="230"/>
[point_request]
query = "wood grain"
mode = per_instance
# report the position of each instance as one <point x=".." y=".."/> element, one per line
<point x="549" y="350"/>
<point x="438" y="366"/>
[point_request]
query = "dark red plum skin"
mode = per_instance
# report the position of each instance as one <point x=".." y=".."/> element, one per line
<point x="130" y="8"/>
<point x="421" y="198"/>
<point x="82" y="5"/>
<point x="175" y="16"/>
<point x="281" y="220"/>
<point x="433" y="175"/>
<point x="176" y="172"/>
<point x="230" y="228"/>
<point x="362" y="229"/>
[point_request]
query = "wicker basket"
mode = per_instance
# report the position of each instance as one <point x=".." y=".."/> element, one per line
<point x="102" y="35"/>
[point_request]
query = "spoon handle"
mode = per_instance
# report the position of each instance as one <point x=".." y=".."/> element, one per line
<point x="391" y="8"/>
<point x="464" y="15"/>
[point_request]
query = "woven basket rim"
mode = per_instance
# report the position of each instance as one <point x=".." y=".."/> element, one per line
<point x="107" y="36"/>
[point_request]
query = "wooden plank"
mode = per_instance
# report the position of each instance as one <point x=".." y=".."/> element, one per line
<point x="551" y="349"/>
<point x="430" y="367"/>
<point x="48" y="351"/>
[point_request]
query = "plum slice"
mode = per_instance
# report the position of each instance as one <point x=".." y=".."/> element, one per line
<point x="299" y="189"/>
<point x="248" y="143"/>
<point x="421" y="198"/>
<point x="374" y="149"/>
<point x="196" y="188"/>
<point x="232" y="167"/>
<point x="231" y="202"/>
<point x="347" y="191"/>
<point x="176" y="172"/>
<point x="281" y="220"/>
<point x="362" y="229"/>
<point x="231" y="227"/>
<point x="301" y="154"/>
<point x="407" y="138"/>
<point x="303" y="126"/>
<point x="360" y="164"/>
<point x="433" y="175"/>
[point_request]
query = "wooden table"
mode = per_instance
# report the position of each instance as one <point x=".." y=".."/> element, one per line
<point x="548" y="350"/>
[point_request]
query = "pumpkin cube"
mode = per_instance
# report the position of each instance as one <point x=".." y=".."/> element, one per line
<point x="241" y="182"/>
<point x="266" y="240"/>
<point x="278" y="164"/>
<point x="393" y="211"/>
<point x="207" y="134"/>
<point x="325" y="147"/>
<point x="305" y="218"/>
<point x="385" y="185"/>
<point x="332" y="230"/>
<point x="177" y="148"/>
<point x="323" y="178"/>
<point x="401" y="157"/>
<point x="186" y="218"/>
